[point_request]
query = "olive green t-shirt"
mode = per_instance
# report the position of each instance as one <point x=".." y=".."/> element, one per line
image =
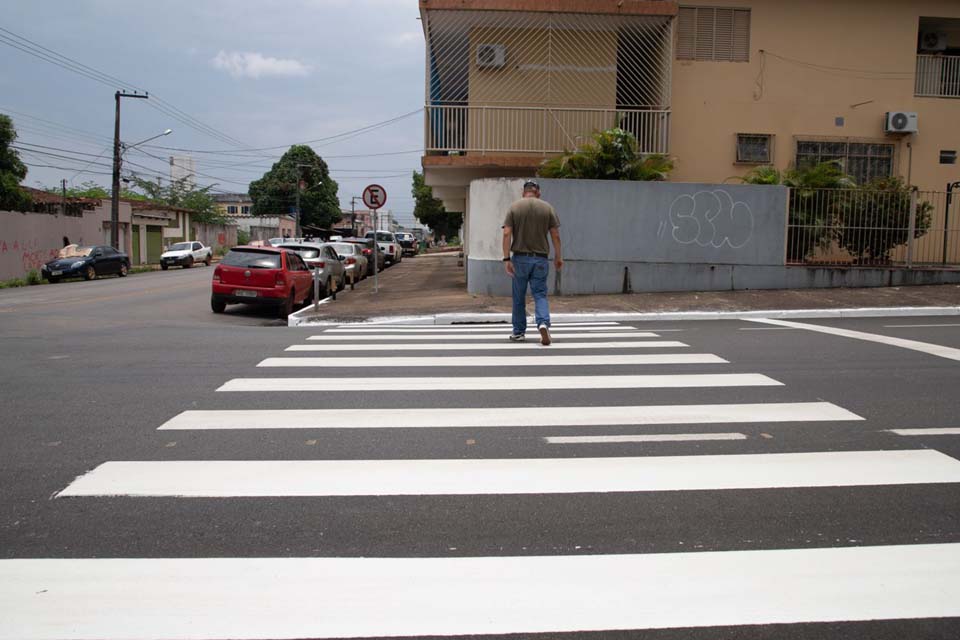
<point x="531" y="220"/>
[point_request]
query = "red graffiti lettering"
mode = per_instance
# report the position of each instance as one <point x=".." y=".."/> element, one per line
<point x="3" y="246"/>
<point x="222" y="239"/>
<point x="33" y="260"/>
<point x="16" y="246"/>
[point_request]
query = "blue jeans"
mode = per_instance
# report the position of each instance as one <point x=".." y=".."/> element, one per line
<point x="532" y="271"/>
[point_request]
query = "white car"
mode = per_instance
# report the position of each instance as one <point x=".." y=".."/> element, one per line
<point x="392" y="251"/>
<point x="354" y="262"/>
<point x="186" y="254"/>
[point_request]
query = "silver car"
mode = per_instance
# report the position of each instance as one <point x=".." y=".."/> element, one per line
<point x="323" y="258"/>
<point x="354" y="262"/>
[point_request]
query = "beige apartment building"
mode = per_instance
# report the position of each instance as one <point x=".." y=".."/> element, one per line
<point x="721" y="87"/>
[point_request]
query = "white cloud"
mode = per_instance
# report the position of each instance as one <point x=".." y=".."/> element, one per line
<point x="405" y="38"/>
<point x="240" y="64"/>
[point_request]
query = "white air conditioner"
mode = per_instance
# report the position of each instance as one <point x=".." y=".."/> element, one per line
<point x="900" y="122"/>
<point x="491" y="56"/>
<point x="933" y="41"/>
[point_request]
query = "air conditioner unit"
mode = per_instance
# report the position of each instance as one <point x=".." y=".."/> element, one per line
<point x="900" y="122"/>
<point x="491" y="56"/>
<point x="933" y="41"/>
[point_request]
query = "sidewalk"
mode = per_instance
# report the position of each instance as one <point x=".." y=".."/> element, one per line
<point x="434" y="284"/>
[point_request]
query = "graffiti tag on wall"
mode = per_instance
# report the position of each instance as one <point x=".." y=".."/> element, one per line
<point x="709" y="219"/>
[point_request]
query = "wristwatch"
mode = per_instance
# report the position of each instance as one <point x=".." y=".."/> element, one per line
<point x="507" y="259"/>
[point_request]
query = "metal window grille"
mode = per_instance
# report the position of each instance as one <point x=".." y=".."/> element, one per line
<point x="873" y="227"/>
<point x="754" y="148"/>
<point x="938" y="76"/>
<point x="713" y="33"/>
<point x="514" y="81"/>
<point x="864" y="161"/>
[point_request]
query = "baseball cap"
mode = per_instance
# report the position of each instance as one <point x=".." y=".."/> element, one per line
<point x="531" y="184"/>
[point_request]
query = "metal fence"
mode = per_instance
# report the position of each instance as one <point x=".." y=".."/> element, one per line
<point x="938" y="76"/>
<point x="861" y="227"/>
<point x="488" y="129"/>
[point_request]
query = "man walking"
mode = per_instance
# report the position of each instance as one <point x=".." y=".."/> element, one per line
<point x="525" y="231"/>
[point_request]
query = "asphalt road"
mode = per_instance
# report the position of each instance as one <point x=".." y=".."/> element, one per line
<point x="91" y="371"/>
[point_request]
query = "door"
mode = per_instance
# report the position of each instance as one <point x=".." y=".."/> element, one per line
<point x="154" y="243"/>
<point x="136" y="245"/>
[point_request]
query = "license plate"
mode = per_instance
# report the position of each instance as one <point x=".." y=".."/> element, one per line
<point x="243" y="293"/>
<point x="56" y="273"/>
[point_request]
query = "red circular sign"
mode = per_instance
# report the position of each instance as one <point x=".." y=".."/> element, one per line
<point x="374" y="196"/>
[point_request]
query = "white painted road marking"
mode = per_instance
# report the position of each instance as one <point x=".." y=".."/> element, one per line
<point x="505" y="329"/>
<point x="479" y="417"/>
<point x="914" y="345"/>
<point x="947" y="431"/>
<point x="911" y="326"/>
<point x="476" y="336"/>
<point x="316" y="478"/>
<point x="500" y="383"/>
<point x="193" y="598"/>
<point x="543" y="359"/>
<point x="502" y="346"/>
<point x="652" y="437"/>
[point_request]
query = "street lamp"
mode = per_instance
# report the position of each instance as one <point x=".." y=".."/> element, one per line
<point x="118" y="149"/>
<point x="126" y="147"/>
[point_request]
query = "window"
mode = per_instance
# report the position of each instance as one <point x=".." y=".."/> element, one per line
<point x="713" y="33"/>
<point x="862" y="160"/>
<point x="231" y="209"/>
<point x="196" y="246"/>
<point x="245" y="209"/>
<point x="754" y="148"/>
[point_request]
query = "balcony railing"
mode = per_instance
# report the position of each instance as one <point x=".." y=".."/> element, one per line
<point x="536" y="130"/>
<point x="938" y="76"/>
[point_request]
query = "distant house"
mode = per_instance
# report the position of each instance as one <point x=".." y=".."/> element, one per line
<point x="233" y="204"/>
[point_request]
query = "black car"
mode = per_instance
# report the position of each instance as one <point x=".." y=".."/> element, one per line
<point x="408" y="243"/>
<point x="86" y="263"/>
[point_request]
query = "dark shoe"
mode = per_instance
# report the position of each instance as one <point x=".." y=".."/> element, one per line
<point x="517" y="337"/>
<point x="544" y="335"/>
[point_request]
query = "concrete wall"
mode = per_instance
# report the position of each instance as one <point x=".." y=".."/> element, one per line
<point x="668" y="236"/>
<point x="215" y="235"/>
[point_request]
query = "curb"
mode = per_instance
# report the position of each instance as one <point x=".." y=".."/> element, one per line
<point x="661" y="316"/>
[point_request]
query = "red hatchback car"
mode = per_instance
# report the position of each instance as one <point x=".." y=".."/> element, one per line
<point x="261" y="275"/>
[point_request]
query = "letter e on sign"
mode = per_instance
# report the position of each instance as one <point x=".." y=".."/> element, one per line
<point x="374" y="196"/>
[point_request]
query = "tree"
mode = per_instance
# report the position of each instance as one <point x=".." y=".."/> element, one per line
<point x="611" y="155"/>
<point x="12" y="171"/>
<point x="431" y="212"/>
<point x="183" y="194"/>
<point x="275" y="193"/>
<point x="91" y="189"/>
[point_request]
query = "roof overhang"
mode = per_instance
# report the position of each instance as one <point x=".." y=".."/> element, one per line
<point x="608" y="7"/>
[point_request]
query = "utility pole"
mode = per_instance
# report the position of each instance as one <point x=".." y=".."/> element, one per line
<point x="353" y="214"/>
<point x="63" y="187"/>
<point x="298" y="230"/>
<point x="115" y="189"/>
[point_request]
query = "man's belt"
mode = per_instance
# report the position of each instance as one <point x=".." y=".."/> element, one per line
<point x="531" y="254"/>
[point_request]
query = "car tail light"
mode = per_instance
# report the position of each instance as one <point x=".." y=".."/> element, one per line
<point x="390" y="249"/>
<point x="367" y="252"/>
<point x="351" y="261"/>
<point x="281" y="280"/>
<point x="216" y="274"/>
<point x="319" y="265"/>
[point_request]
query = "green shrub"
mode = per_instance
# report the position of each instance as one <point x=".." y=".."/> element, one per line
<point x="243" y="236"/>
<point x="12" y="283"/>
<point x="33" y="277"/>
<point x="876" y="219"/>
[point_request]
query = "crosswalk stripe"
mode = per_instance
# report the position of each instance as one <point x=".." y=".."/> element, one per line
<point x="500" y="383"/>
<point x="473" y="329"/>
<point x="192" y="598"/>
<point x="476" y="336"/>
<point x="945" y="431"/>
<point x="577" y="416"/>
<point x="302" y="478"/>
<point x="502" y="346"/>
<point x="541" y="360"/>
<point x="650" y="437"/>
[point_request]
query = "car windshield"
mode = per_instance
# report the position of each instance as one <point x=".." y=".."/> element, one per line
<point x="305" y="252"/>
<point x="73" y="251"/>
<point x="382" y="236"/>
<point x="252" y="259"/>
<point x="181" y="246"/>
<point x="343" y="248"/>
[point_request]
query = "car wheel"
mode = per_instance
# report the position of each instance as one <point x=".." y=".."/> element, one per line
<point x="124" y="270"/>
<point x="217" y="304"/>
<point x="286" y="307"/>
<point x="89" y="273"/>
<point x="207" y="260"/>
<point x="188" y="263"/>
<point x="53" y="280"/>
<point x="163" y="265"/>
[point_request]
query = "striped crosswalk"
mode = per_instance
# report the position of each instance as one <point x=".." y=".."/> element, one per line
<point x="582" y="420"/>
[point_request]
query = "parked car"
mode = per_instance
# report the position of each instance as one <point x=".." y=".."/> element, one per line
<point x="354" y="262"/>
<point x="320" y="256"/>
<point x="392" y="252"/>
<point x="186" y="254"/>
<point x="261" y="275"/>
<point x="366" y="248"/>
<point x="86" y="262"/>
<point x="408" y="243"/>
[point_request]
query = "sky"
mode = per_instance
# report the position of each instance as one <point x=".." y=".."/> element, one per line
<point x="261" y="74"/>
